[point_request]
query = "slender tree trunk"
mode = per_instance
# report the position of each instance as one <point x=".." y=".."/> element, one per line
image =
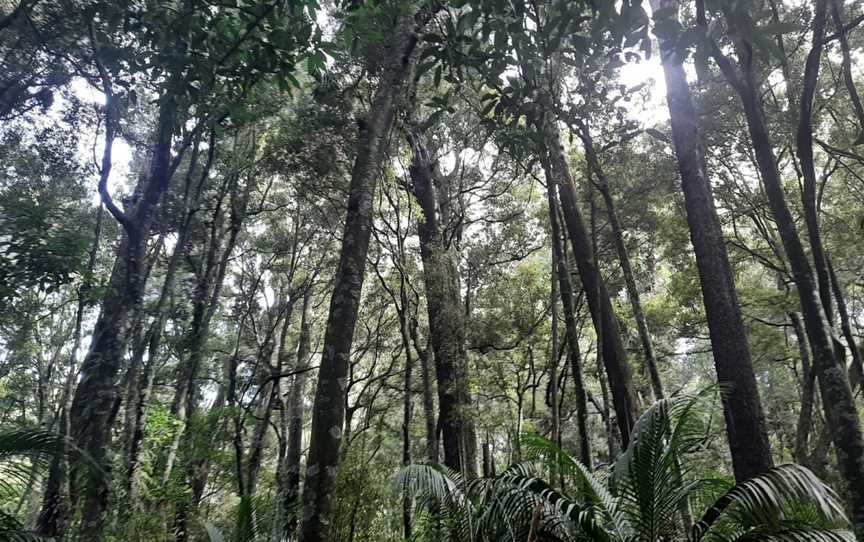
<point x="838" y="401"/>
<point x="294" y="438"/>
<point x="328" y="412"/>
<point x="808" y="377"/>
<point x="624" y="397"/>
<point x="742" y="407"/>
<point x="846" y="66"/>
<point x="55" y="506"/>
<point x="856" y="371"/>
<point x="555" y="433"/>
<point x="804" y="150"/>
<point x="602" y="185"/>
<point x="205" y="302"/>
<point x="270" y="398"/>
<point x="566" y="287"/>
<point x="446" y="316"/>
<point x="428" y="395"/>
<point x="136" y="407"/>
<point x="93" y="407"/>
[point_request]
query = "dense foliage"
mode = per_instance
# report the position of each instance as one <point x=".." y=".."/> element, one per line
<point x="431" y="270"/>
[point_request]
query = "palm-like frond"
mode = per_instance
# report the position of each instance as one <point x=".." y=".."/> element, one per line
<point x="23" y="450"/>
<point x="786" y="503"/>
<point x="648" y="476"/>
<point x="444" y="491"/>
<point x="595" y="489"/>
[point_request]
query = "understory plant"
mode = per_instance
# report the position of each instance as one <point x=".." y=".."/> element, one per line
<point x="648" y="495"/>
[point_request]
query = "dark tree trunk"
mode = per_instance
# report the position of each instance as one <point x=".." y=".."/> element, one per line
<point x="808" y="378"/>
<point x="446" y="316"/>
<point x="804" y="150"/>
<point x="562" y="272"/>
<point x="55" y="506"/>
<point x="742" y="407"/>
<point x="328" y="413"/>
<point x="94" y="405"/>
<point x="624" y="397"/>
<point x="140" y="386"/>
<point x="290" y="476"/>
<point x="842" y="32"/>
<point x="270" y="397"/>
<point x="602" y="185"/>
<point x="205" y="301"/>
<point x="856" y="371"/>
<point x="428" y="395"/>
<point x="837" y="399"/>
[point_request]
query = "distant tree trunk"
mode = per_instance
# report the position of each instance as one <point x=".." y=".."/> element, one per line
<point x="555" y="433"/>
<point x="838" y="401"/>
<point x="602" y="186"/>
<point x="270" y="397"/>
<point x="205" y="302"/>
<point x="428" y="395"/>
<point x="856" y="371"/>
<point x="742" y="407"/>
<point x="406" y="430"/>
<point x="846" y="66"/>
<point x="804" y="150"/>
<point x="329" y="408"/>
<point x="55" y="505"/>
<point x="290" y="477"/>
<point x="446" y="316"/>
<point x="562" y="272"/>
<point x="93" y="407"/>
<point x="140" y="387"/>
<point x="808" y="377"/>
<point x="624" y="396"/>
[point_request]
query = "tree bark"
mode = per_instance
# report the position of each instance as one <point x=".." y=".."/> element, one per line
<point x="742" y="407"/>
<point x="290" y="494"/>
<point x="93" y="407"/>
<point x="856" y="371"/>
<point x="602" y="186"/>
<point x="428" y="395"/>
<point x="445" y="310"/>
<point x="574" y="357"/>
<point x="808" y="377"/>
<point x="804" y="150"/>
<point x="624" y="397"/>
<point x="329" y="406"/>
<point x="837" y="399"/>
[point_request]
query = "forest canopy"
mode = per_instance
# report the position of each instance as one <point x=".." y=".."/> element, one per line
<point x="428" y="270"/>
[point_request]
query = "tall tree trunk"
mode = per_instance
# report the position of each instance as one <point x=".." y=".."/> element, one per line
<point x="93" y="407"/>
<point x="624" y="397"/>
<point x="140" y="388"/>
<point x="270" y="397"/>
<point x="294" y="437"/>
<point x="205" y="302"/>
<point x="856" y="371"/>
<point x="55" y="505"/>
<point x="328" y="412"/>
<point x="742" y="407"/>
<point x="562" y="272"/>
<point x="846" y="66"/>
<point x="602" y="185"/>
<point x="428" y="395"/>
<point x="804" y="150"/>
<point x="446" y="316"/>
<point x="808" y="377"/>
<point x="837" y="399"/>
<point x="555" y="433"/>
